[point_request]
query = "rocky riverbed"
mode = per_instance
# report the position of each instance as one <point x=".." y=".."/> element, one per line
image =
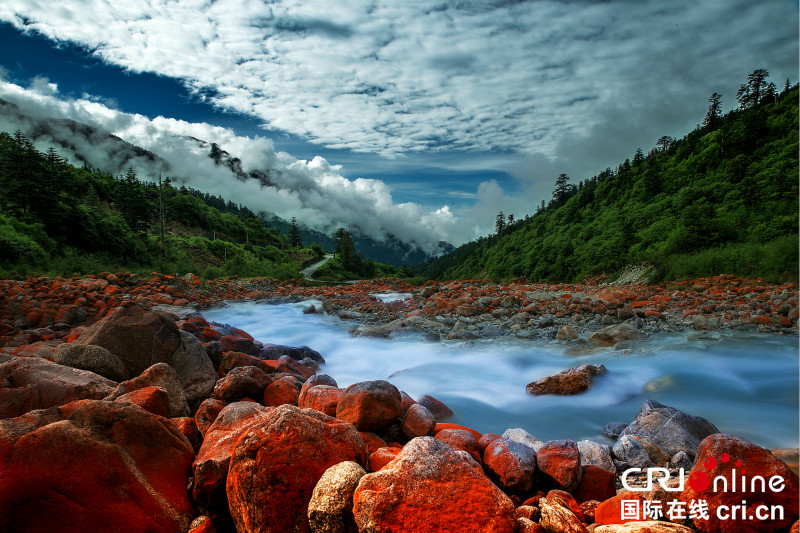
<point x="122" y="409"/>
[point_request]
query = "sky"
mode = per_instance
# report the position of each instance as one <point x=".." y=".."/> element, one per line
<point x="422" y="119"/>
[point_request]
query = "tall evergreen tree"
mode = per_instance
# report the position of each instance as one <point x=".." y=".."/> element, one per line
<point x="294" y="234"/>
<point x="751" y="94"/>
<point x="500" y="224"/>
<point x="714" y="114"/>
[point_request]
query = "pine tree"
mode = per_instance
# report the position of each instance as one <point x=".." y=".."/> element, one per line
<point x="751" y="94"/>
<point x="714" y="114"/>
<point x="294" y="234"/>
<point x="500" y="224"/>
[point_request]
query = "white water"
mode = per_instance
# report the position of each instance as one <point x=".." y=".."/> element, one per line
<point x="746" y="384"/>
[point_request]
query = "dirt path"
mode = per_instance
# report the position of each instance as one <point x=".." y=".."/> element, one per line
<point x="310" y="270"/>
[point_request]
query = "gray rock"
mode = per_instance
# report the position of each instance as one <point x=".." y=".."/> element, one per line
<point x="438" y="409"/>
<point x="510" y="465"/>
<point x="613" y="430"/>
<point x="629" y="453"/>
<point x="681" y="460"/>
<point x="330" y="509"/>
<point x="670" y="428"/>
<point x="92" y="358"/>
<point x="594" y="453"/>
<point x="521" y="436"/>
<point x="615" y="334"/>
<point x="195" y="369"/>
<point x="567" y="382"/>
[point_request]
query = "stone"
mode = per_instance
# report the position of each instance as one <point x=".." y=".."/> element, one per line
<point x="594" y="453"/>
<point x="445" y="425"/>
<point x="242" y="382"/>
<point x="649" y="526"/>
<point x="316" y="379"/>
<point x="275" y="351"/>
<point x="371" y="441"/>
<point x="285" y="390"/>
<point x="152" y="399"/>
<point x="681" y="460"/>
<point x="235" y="343"/>
<point x="670" y="428"/>
<point x="588" y="508"/>
<point x="596" y="484"/>
<point x="748" y="461"/>
<point x="164" y="377"/>
<point x="206" y="413"/>
<point x="428" y="487"/>
<point x="29" y="383"/>
<point x="567" y="382"/>
<point x="615" y="334"/>
<point x="610" y="510"/>
<point x="565" y="499"/>
<point x="613" y="430"/>
<point x="277" y="463"/>
<point x="202" y="524"/>
<point x="417" y="422"/>
<point x="458" y="439"/>
<point x="438" y="409"/>
<point x="92" y="358"/>
<point x="210" y="469"/>
<point x="557" y="518"/>
<point x="485" y="439"/>
<point x="629" y="453"/>
<point x="567" y="333"/>
<point x="657" y="456"/>
<point x="382" y="457"/>
<point x="323" y="398"/>
<point x="370" y="405"/>
<point x="559" y="463"/>
<point x="523" y="437"/>
<point x="330" y="509"/>
<point x="525" y="525"/>
<point x="188" y="427"/>
<point x="510" y="465"/>
<point x="125" y="470"/>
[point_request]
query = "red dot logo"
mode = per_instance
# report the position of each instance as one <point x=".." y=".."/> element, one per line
<point x="738" y="463"/>
<point x="710" y="463"/>
<point x="698" y="481"/>
<point x="724" y="457"/>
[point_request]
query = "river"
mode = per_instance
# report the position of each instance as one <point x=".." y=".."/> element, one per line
<point x="744" y="383"/>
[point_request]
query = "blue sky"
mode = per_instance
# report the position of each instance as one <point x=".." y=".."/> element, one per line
<point x="427" y="117"/>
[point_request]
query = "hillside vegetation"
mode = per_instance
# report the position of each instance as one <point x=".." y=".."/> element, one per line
<point x="722" y="200"/>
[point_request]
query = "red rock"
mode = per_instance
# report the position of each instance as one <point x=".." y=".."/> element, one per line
<point x="371" y="441"/>
<point x="459" y="439"/>
<point x="240" y="382"/>
<point x="428" y="487"/>
<point x="239" y="344"/>
<point x="596" y="484"/>
<point x="277" y="463"/>
<point x="559" y="464"/>
<point x="126" y="470"/>
<point x="210" y="468"/>
<point x="159" y="375"/>
<point x="231" y="360"/>
<point x="438" y="409"/>
<point x="556" y="517"/>
<point x="322" y="398"/>
<point x="510" y="465"/>
<point x="753" y="461"/>
<point x="207" y="413"/>
<point x="406" y="401"/>
<point x="417" y="422"/>
<point x="444" y="425"/>
<point x="316" y="379"/>
<point x="281" y="391"/>
<point x="370" y="405"/>
<point x="28" y="383"/>
<point x="524" y="525"/>
<point x="565" y="499"/>
<point x="188" y="427"/>
<point x="382" y="457"/>
<point x="588" y="509"/>
<point x="202" y="524"/>
<point x="485" y="439"/>
<point x="152" y="399"/>
<point x="610" y="511"/>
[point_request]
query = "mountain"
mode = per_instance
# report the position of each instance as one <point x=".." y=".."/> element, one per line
<point x="96" y="148"/>
<point x="721" y="200"/>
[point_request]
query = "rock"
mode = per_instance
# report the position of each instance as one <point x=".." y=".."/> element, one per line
<point x="594" y="453"/>
<point x="330" y="509"/>
<point x="160" y="375"/>
<point x="744" y="459"/>
<point x="188" y="427"/>
<point x="485" y="440"/>
<point x="525" y="525"/>
<point x="567" y="382"/>
<point x="559" y="519"/>
<point x="316" y="379"/>
<point x="207" y="412"/>
<point x="649" y="526"/>
<point x="418" y="492"/>
<point x="152" y="399"/>
<point x="523" y="437"/>
<point x="565" y="499"/>
<point x="382" y="457"/>
<point x="371" y="441"/>
<point x="323" y="398"/>
<point x="92" y="358"/>
<point x="596" y="484"/>
<point x="559" y="463"/>
<point x="671" y="429"/>
<point x="236" y="343"/>
<point x="614" y="429"/>
<point x="28" y="383"/>
<point x="657" y="456"/>
<point x="610" y="510"/>
<point x="629" y="453"/>
<point x="445" y="425"/>
<point x="275" y="351"/>
<point x="213" y="459"/>
<point x="612" y="335"/>
<point x="458" y="439"/>
<point x="126" y="470"/>
<point x="438" y="409"/>
<point x="588" y="508"/>
<point x="278" y="462"/>
<point x="202" y="524"/>
<point x="242" y="382"/>
<point x="417" y="422"/>
<point x="370" y="405"/>
<point x="510" y="465"/>
<point x="681" y="460"/>
<point x="285" y="390"/>
<point x="567" y="333"/>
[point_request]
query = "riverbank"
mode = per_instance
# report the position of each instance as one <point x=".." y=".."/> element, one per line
<point x="108" y="407"/>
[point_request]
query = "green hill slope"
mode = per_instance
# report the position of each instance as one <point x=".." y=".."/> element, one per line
<point x="722" y="200"/>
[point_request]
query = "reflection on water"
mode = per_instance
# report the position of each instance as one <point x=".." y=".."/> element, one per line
<point x="746" y="384"/>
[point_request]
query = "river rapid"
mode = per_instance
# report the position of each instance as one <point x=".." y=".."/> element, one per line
<point x="746" y="383"/>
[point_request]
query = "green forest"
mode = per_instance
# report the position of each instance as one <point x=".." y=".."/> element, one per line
<point x="721" y="200"/>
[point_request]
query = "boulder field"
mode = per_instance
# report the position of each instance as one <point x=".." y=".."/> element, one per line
<point x="123" y="409"/>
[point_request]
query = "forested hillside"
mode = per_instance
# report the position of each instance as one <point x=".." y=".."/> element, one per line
<point x="722" y="200"/>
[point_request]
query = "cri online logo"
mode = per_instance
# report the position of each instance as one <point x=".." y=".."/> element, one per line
<point x="699" y="481"/>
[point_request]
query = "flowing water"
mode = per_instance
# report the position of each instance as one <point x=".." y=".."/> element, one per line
<point x="744" y="383"/>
